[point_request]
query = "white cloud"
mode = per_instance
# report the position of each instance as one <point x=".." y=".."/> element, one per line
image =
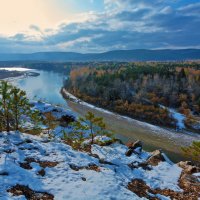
<point x="125" y="24"/>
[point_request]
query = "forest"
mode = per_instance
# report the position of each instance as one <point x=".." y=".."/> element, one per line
<point x="142" y="91"/>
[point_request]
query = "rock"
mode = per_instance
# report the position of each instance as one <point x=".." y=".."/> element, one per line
<point x="41" y="172"/>
<point x="190" y="184"/>
<point x="28" y="141"/>
<point x="134" y="145"/>
<point x="19" y="190"/>
<point x="83" y="178"/>
<point x="4" y="173"/>
<point x="129" y="152"/>
<point x="141" y="189"/>
<point x="188" y="167"/>
<point x="65" y="120"/>
<point x="102" y="161"/>
<point x="129" y="144"/>
<point x="155" y="158"/>
<point x="134" y="148"/>
<point x="94" y="155"/>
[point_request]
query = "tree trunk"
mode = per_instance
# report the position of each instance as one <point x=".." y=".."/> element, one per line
<point x="92" y="135"/>
<point x="7" y="123"/>
<point x="16" y="121"/>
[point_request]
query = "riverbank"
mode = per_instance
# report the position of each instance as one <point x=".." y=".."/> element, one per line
<point x="10" y="75"/>
<point x="129" y="129"/>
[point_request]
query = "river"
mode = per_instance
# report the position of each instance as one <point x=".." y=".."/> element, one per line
<point x="47" y="86"/>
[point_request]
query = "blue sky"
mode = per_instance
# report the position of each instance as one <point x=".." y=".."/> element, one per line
<point x="98" y="25"/>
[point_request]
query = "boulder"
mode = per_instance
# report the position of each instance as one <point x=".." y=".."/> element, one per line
<point x="129" y="152"/>
<point x="188" y="167"/>
<point x="156" y="157"/>
<point x="190" y="184"/>
<point x="135" y="145"/>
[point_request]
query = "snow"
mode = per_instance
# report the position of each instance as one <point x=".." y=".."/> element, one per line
<point x="179" y="117"/>
<point x="20" y="69"/>
<point x="197" y="175"/>
<point x="56" y="111"/>
<point x="65" y="183"/>
<point x="61" y="181"/>
<point x="165" y="175"/>
<point x="101" y="138"/>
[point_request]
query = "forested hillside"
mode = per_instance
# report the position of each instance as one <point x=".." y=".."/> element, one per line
<point x="142" y="90"/>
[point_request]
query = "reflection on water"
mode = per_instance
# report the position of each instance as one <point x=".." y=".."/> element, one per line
<point x="44" y="87"/>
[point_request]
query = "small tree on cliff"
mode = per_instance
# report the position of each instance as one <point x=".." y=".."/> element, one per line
<point x="89" y="124"/>
<point x="19" y="106"/>
<point x="95" y="125"/>
<point x="78" y="130"/>
<point x="50" y="121"/>
<point x="5" y="103"/>
<point x="14" y="107"/>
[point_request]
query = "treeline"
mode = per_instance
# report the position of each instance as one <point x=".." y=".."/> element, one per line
<point x="138" y="89"/>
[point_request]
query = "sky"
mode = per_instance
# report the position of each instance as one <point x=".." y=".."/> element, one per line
<point x="85" y="26"/>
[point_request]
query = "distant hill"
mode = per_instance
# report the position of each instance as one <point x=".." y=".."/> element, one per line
<point x="119" y="55"/>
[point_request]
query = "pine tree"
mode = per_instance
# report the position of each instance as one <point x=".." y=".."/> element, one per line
<point x="50" y="121"/>
<point x="37" y="119"/>
<point x="5" y="103"/>
<point x="95" y="126"/>
<point x="79" y="130"/>
<point x="92" y="123"/>
<point x="14" y="107"/>
<point x="19" y="105"/>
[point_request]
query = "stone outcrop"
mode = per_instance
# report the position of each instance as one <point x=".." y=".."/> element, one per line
<point x="155" y="158"/>
<point x="135" y="147"/>
<point x="189" y="167"/>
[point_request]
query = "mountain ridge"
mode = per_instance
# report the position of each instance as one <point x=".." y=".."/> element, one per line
<point x="115" y="55"/>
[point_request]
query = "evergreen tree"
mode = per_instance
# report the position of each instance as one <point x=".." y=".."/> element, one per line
<point x="89" y="123"/>
<point x="37" y="119"/>
<point x="19" y="105"/>
<point x="14" y="107"/>
<point x="50" y="121"/>
<point x="95" y="124"/>
<point x="79" y="129"/>
<point x="5" y="103"/>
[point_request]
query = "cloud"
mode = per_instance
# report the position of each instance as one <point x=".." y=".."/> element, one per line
<point x="35" y="28"/>
<point x="124" y="24"/>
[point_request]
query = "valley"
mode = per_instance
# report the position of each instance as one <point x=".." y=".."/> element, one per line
<point x="125" y="128"/>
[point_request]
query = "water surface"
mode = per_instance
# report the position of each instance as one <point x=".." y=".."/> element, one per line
<point x="45" y="87"/>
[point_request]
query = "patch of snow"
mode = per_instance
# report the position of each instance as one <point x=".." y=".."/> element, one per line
<point x="179" y="117"/>
<point x="165" y="175"/>
<point x="197" y="175"/>
<point x="61" y="180"/>
<point x="99" y="138"/>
